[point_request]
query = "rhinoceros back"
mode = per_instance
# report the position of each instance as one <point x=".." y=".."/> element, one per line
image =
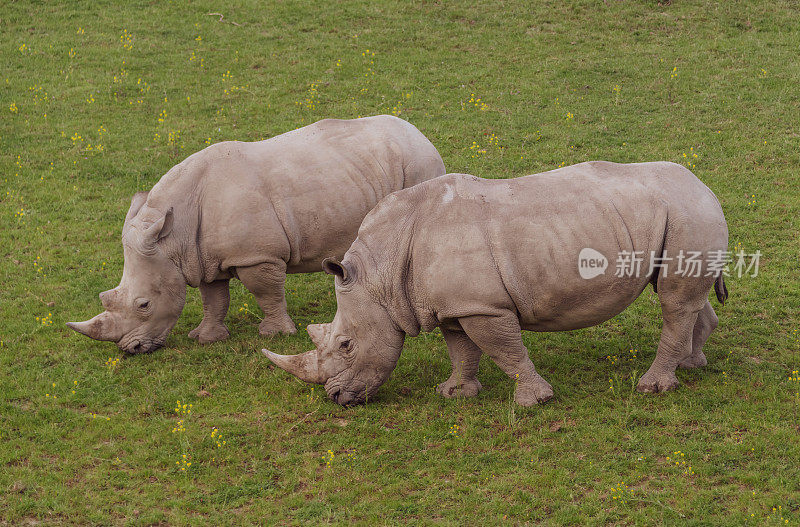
<point x="299" y="196"/>
<point x="483" y="246"/>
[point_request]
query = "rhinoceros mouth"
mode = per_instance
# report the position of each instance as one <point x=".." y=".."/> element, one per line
<point x="346" y="396"/>
<point x="341" y="397"/>
<point x="138" y="345"/>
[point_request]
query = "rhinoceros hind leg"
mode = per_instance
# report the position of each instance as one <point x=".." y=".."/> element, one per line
<point x="706" y="323"/>
<point x="500" y="337"/>
<point x="266" y="282"/>
<point x="675" y="344"/>
<point x="465" y="356"/>
<point x="216" y="299"/>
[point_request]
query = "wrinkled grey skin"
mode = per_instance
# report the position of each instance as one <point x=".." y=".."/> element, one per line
<point x="484" y="259"/>
<point x="254" y="211"/>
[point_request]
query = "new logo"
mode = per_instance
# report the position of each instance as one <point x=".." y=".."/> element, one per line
<point x="591" y="263"/>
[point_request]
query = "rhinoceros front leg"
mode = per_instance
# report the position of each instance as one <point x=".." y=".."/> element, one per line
<point x="500" y="337"/>
<point x="216" y="299"/>
<point x="465" y="356"/>
<point x="266" y="282"/>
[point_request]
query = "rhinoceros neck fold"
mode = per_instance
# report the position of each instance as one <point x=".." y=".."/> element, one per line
<point x="183" y="247"/>
<point x="186" y="257"/>
<point x="387" y="275"/>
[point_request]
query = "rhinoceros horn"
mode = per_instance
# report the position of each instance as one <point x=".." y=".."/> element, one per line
<point x="305" y="366"/>
<point x="101" y="327"/>
<point x="319" y="334"/>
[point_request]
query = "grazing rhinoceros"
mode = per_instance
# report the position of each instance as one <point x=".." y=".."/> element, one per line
<point x="483" y="259"/>
<point x="254" y="211"/>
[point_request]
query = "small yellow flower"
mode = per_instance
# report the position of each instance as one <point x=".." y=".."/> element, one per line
<point x="126" y="39"/>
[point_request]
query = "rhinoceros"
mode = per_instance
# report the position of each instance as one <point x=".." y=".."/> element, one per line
<point x="254" y="211"/>
<point x="484" y="259"/>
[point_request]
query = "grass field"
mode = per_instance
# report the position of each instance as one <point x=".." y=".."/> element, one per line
<point x="99" y="100"/>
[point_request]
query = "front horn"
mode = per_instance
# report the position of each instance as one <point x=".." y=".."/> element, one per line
<point x="304" y="366"/>
<point x="101" y="327"/>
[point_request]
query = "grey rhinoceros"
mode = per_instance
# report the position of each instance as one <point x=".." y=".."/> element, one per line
<point x="484" y="259"/>
<point x="254" y="211"/>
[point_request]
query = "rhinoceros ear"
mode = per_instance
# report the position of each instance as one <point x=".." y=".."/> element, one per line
<point x="136" y="203"/>
<point x="159" y="228"/>
<point x="335" y="267"/>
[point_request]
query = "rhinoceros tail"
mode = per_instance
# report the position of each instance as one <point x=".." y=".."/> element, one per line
<point x="720" y="289"/>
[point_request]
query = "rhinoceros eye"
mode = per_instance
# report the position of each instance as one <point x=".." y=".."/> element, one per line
<point x="142" y="303"/>
<point x="346" y="345"/>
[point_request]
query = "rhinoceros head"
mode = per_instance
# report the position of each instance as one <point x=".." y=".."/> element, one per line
<point x="355" y="353"/>
<point x="143" y="308"/>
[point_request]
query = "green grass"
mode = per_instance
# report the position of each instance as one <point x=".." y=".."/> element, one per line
<point x="641" y="82"/>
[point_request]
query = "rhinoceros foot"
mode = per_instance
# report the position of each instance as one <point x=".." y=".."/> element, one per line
<point x="207" y="334"/>
<point x="459" y="388"/>
<point x="654" y="382"/>
<point x="695" y="360"/>
<point x="273" y="326"/>
<point x="535" y="391"/>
